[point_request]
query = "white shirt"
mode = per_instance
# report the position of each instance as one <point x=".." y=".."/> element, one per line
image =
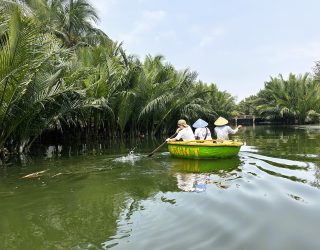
<point x="185" y="134"/>
<point x="201" y="133"/>
<point x="223" y="132"/>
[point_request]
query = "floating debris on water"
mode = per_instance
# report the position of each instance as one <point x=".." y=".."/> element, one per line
<point x="35" y="175"/>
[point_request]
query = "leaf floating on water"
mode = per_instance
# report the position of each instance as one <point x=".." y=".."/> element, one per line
<point x="35" y="174"/>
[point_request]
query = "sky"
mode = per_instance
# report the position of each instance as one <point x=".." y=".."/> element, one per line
<point x="236" y="44"/>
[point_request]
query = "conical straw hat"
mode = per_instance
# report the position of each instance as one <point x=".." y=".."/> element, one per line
<point x="200" y="124"/>
<point x="221" y="121"/>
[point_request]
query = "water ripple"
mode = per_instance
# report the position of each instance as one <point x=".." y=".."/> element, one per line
<point x="130" y="158"/>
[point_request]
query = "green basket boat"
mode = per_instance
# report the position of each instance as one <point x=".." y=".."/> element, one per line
<point x="204" y="149"/>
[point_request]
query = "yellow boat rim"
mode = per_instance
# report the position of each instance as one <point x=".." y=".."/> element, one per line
<point x="208" y="143"/>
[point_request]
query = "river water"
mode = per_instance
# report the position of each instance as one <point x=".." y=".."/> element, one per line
<point x="104" y="196"/>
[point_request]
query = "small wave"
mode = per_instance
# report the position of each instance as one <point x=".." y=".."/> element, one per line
<point x="296" y="171"/>
<point x="309" y="155"/>
<point x="279" y="160"/>
<point x="130" y="158"/>
<point x="245" y="148"/>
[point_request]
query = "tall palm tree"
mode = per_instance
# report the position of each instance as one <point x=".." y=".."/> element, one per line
<point x="294" y="99"/>
<point x="248" y="106"/>
<point x="170" y="95"/>
<point x="33" y="94"/>
<point x="72" y="21"/>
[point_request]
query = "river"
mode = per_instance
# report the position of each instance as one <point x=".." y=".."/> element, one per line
<point x="104" y="196"/>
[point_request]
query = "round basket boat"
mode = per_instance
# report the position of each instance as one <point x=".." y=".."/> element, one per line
<point x="204" y="149"/>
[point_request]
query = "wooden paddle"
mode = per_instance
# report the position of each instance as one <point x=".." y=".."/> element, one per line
<point x="161" y="145"/>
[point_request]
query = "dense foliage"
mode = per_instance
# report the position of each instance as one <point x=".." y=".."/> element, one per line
<point x="292" y="100"/>
<point x="59" y="72"/>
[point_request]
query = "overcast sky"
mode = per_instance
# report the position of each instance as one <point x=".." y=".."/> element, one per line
<point x="237" y="44"/>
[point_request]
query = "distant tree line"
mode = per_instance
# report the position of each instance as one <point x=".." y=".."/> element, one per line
<point x="295" y="100"/>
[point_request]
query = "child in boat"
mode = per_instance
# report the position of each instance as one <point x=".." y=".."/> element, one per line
<point x="184" y="132"/>
<point x="201" y="132"/>
<point x="222" y="130"/>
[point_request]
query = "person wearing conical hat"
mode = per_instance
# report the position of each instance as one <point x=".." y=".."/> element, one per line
<point x="184" y="132"/>
<point x="202" y="132"/>
<point x="222" y="130"/>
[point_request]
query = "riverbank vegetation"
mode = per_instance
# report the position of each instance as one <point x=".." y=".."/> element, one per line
<point x="58" y="72"/>
<point x="290" y="101"/>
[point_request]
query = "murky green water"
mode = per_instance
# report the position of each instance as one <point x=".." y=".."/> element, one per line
<point x="266" y="198"/>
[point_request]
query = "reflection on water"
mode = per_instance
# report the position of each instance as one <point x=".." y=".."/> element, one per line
<point x="206" y="165"/>
<point x="194" y="175"/>
<point x="101" y="196"/>
<point x="192" y="182"/>
<point x="113" y="147"/>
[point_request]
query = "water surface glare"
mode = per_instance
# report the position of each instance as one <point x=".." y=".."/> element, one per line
<point x="267" y="197"/>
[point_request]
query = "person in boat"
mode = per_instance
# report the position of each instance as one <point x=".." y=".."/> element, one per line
<point x="222" y="130"/>
<point x="184" y="132"/>
<point x="202" y="132"/>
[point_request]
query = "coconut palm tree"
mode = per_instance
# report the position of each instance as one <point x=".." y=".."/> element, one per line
<point x="170" y="94"/>
<point x="221" y="102"/>
<point x="72" y="21"/>
<point x="105" y="77"/>
<point x="248" y="106"/>
<point x="295" y="99"/>
<point x="33" y="94"/>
